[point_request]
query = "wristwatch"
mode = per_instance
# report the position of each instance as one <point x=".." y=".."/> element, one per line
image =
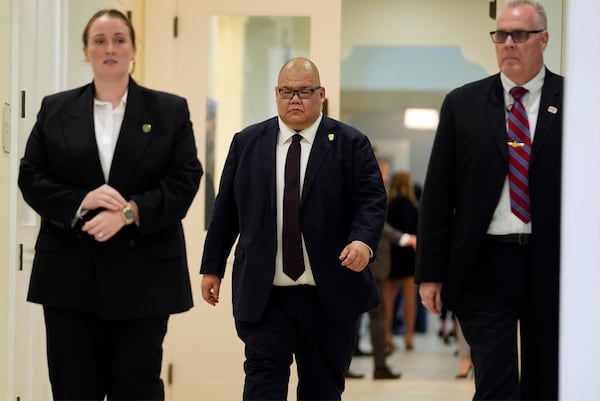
<point x="127" y="215"/>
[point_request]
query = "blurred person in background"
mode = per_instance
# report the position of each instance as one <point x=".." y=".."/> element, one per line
<point x="402" y="215"/>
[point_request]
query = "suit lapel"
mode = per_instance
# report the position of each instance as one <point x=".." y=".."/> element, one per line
<point x="137" y="130"/>
<point x="267" y="149"/>
<point x="495" y="113"/>
<point x="80" y="137"/>
<point x="550" y="107"/>
<point x="324" y="138"/>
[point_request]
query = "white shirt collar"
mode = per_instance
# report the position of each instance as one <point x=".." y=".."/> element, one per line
<point x="308" y="133"/>
<point x="121" y="105"/>
<point x="534" y="85"/>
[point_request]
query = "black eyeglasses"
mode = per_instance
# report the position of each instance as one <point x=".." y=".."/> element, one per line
<point x="305" y="93"/>
<point x="517" y="36"/>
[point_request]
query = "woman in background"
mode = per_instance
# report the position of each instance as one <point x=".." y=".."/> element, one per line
<point x="111" y="168"/>
<point x="402" y="215"/>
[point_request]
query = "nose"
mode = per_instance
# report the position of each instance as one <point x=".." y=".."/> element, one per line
<point x="511" y="43"/>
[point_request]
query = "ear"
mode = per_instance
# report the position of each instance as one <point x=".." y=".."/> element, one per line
<point x="84" y="50"/>
<point x="545" y="37"/>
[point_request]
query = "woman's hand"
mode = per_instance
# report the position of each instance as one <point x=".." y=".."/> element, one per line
<point x="105" y="197"/>
<point x="104" y="225"/>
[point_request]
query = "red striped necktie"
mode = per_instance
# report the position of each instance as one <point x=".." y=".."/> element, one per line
<point x="519" y="150"/>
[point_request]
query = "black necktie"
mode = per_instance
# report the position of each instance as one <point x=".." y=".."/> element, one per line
<point x="293" y="259"/>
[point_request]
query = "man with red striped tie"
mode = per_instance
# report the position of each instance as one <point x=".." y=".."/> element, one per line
<point x="489" y="223"/>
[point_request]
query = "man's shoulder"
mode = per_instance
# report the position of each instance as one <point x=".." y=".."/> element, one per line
<point x="260" y="126"/>
<point x="478" y="86"/>
<point x="331" y="125"/>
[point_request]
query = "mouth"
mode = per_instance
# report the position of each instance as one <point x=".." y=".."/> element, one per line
<point x="510" y="59"/>
<point x="110" y="61"/>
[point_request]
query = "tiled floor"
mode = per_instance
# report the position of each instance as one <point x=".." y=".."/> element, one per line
<point x="428" y="373"/>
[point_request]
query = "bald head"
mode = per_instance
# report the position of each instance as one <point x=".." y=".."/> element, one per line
<point x="302" y="109"/>
<point x="299" y="64"/>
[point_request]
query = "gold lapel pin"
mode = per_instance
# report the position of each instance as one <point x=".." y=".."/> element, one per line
<point x="552" y="109"/>
<point x="331" y="137"/>
<point x="147" y="128"/>
<point x="515" y="144"/>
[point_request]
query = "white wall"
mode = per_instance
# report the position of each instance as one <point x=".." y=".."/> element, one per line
<point x="580" y="259"/>
<point x="5" y="170"/>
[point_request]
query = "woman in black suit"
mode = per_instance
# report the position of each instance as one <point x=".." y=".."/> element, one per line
<point x="111" y="168"/>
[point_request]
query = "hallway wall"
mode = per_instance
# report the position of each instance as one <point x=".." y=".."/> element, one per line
<point x="5" y="202"/>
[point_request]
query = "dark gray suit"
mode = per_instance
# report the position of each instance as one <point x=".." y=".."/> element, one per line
<point x="467" y="169"/>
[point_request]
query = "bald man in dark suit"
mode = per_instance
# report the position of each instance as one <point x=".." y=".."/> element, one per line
<point x="312" y="317"/>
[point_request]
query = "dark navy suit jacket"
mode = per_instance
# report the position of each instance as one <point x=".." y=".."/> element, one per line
<point x="343" y="199"/>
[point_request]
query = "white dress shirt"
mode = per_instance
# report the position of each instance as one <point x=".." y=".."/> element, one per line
<point x="503" y="220"/>
<point x="107" y="124"/>
<point x="284" y="139"/>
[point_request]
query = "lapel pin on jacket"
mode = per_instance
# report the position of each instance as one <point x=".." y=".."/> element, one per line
<point x="146" y="128"/>
<point x="552" y="109"/>
<point x="331" y="137"/>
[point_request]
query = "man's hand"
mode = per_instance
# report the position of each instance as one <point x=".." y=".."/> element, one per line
<point x="431" y="297"/>
<point x="355" y="256"/>
<point x="211" y="284"/>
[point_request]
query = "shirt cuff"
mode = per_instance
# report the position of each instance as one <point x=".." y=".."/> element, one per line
<point x="370" y="250"/>
<point x="404" y="240"/>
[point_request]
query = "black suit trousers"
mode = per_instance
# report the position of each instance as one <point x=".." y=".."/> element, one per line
<point x="90" y="358"/>
<point x="295" y="324"/>
<point x="495" y="311"/>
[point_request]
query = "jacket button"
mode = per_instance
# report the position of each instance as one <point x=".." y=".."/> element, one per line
<point x="131" y="243"/>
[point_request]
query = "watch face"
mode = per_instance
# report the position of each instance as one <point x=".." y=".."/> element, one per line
<point x="128" y="215"/>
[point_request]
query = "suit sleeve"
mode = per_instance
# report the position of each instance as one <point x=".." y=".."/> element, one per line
<point x="223" y="229"/>
<point x="369" y="197"/>
<point x="391" y="234"/>
<point x="52" y="197"/>
<point x="437" y="203"/>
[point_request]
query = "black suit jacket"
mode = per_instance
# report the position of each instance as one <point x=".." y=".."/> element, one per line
<point x="343" y="199"/>
<point x="468" y="166"/>
<point x="141" y="271"/>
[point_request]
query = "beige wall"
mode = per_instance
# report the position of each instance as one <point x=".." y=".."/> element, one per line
<point x="437" y="23"/>
<point x="5" y="171"/>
